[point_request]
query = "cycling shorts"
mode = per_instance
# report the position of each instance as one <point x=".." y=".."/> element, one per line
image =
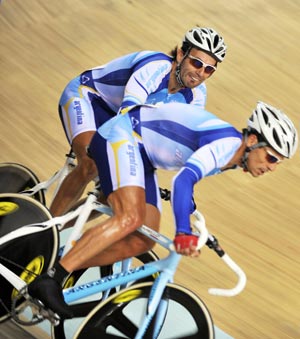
<point x="81" y="109"/>
<point x="122" y="161"/>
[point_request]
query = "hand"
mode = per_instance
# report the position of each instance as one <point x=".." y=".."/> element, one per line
<point x="186" y="244"/>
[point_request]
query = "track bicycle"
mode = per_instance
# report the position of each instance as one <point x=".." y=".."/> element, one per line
<point x="144" y="310"/>
<point x="17" y="178"/>
<point x="34" y="255"/>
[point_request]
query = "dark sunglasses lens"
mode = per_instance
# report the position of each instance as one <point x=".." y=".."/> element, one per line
<point x="199" y="64"/>
<point x="271" y="159"/>
<point x="196" y="63"/>
<point x="209" y="69"/>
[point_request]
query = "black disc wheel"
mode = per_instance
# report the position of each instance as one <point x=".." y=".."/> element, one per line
<point x="181" y="315"/>
<point x="16" y="178"/>
<point x="29" y="255"/>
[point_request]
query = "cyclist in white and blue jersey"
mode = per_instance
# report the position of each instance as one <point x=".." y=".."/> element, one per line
<point x="137" y="78"/>
<point x="130" y="147"/>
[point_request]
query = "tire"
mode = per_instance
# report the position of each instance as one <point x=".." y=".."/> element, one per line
<point x="66" y="327"/>
<point x="15" y="178"/>
<point x="120" y="316"/>
<point x="27" y="256"/>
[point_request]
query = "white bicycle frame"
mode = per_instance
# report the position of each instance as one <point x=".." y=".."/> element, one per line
<point x="57" y="178"/>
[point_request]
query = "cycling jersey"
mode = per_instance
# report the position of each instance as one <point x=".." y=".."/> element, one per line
<point x="175" y="136"/>
<point x="100" y="93"/>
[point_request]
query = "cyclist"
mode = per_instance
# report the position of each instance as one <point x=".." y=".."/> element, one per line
<point x="130" y="147"/>
<point x="141" y="77"/>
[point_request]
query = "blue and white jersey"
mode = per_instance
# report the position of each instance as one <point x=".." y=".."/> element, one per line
<point x="176" y="135"/>
<point x="138" y="78"/>
<point x="188" y="139"/>
<point x="100" y="93"/>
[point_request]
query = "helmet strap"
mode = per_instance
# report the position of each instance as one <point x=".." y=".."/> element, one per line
<point x="249" y="149"/>
<point x="178" y="76"/>
<point x="178" y="68"/>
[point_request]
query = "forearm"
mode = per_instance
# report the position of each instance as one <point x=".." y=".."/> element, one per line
<point x="182" y="199"/>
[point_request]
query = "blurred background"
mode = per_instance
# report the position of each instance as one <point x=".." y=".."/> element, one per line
<point x="44" y="44"/>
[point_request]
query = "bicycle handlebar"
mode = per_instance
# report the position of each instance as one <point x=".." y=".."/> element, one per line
<point x="213" y="243"/>
<point x="200" y="226"/>
<point x="242" y="279"/>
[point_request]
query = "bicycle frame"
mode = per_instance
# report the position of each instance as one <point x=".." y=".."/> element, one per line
<point x="58" y="177"/>
<point x="84" y="210"/>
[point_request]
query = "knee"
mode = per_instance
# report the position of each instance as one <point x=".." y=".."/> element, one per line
<point x="86" y="170"/>
<point x="131" y="220"/>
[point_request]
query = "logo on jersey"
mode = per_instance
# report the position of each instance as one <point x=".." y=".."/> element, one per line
<point x="134" y="122"/>
<point x="84" y="79"/>
<point x="132" y="161"/>
<point x="79" y="113"/>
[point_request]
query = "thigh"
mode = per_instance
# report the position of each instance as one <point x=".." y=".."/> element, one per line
<point x="75" y="109"/>
<point x="80" y="145"/>
<point x="117" y="156"/>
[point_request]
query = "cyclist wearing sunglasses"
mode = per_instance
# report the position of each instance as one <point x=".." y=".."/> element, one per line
<point x="130" y="147"/>
<point x="202" y="49"/>
<point x="137" y="78"/>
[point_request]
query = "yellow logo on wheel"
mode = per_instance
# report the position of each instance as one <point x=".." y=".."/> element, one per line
<point x="70" y="282"/>
<point x="7" y="207"/>
<point x="31" y="271"/>
<point x="127" y="296"/>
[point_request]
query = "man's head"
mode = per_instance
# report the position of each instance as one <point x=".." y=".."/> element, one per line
<point x="202" y="48"/>
<point x="270" y="137"/>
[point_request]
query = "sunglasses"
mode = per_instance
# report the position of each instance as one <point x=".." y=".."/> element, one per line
<point x="271" y="158"/>
<point x="198" y="63"/>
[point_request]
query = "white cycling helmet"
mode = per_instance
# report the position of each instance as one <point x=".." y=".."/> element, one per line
<point x="208" y="40"/>
<point x="276" y="129"/>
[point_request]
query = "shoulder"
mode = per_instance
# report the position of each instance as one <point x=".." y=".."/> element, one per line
<point x="146" y="57"/>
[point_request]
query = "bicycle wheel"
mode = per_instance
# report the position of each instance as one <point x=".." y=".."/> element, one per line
<point x="27" y="256"/>
<point x="15" y="178"/>
<point x="66" y="328"/>
<point x="120" y="316"/>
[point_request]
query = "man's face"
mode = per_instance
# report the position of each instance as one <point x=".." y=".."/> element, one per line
<point x="191" y="73"/>
<point x="262" y="160"/>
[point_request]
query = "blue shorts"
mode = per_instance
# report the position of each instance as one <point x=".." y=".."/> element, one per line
<point x="81" y="109"/>
<point x="122" y="161"/>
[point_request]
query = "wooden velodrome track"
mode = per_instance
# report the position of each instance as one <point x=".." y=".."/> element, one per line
<point x="44" y="44"/>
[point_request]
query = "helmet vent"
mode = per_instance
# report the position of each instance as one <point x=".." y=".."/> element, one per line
<point x="276" y="138"/>
<point x="265" y="117"/>
<point x="216" y="41"/>
<point x="198" y="37"/>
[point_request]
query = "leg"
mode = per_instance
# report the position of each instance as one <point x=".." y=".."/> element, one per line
<point x="124" y="186"/>
<point x="74" y="184"/>
<point x="128" y="204"/>
<point x="130" y="246"/>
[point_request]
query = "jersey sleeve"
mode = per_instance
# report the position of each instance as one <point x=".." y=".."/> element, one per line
<point x="206" y="161"/>
<point x="144" y="81"/>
